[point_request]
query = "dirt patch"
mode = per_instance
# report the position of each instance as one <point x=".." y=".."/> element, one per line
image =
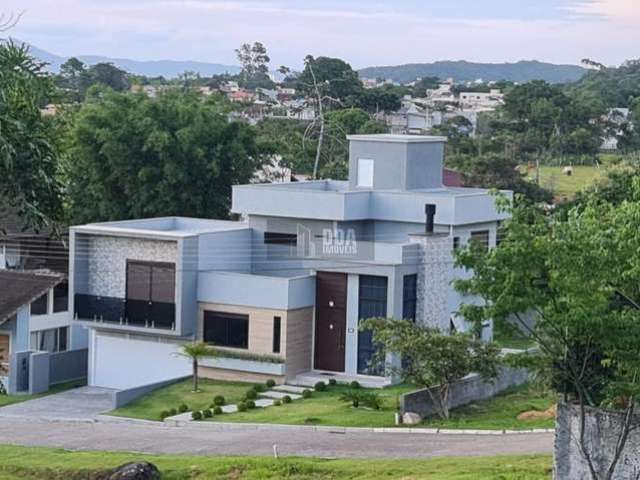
<point x="537" y="415"/>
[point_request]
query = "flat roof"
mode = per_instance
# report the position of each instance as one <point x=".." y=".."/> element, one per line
<point x="394" y="138"/>
<point x="162" y="227"/>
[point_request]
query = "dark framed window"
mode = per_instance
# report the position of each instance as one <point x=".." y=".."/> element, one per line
<point x="273" y="238"/>
<point x="481" y="237"/>
<point x="456" y="243"/>
<point x="151" y="290"/>
<point x="372" y="302"/>
<point x="226" y="329"/>
<point x="52" y="340"/>
<point x="409" y="296"/>
<point x="277" y="329"/>
<point x="61" y="297"/>
<point x="39" y="306"/>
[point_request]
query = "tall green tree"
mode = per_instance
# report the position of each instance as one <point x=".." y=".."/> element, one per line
<point x="579" y="272"/>
<point x="334" y="78"/>
<point x="133" y="157"/>
<point x="28" y="141"/>
<point x="255" y="66"/>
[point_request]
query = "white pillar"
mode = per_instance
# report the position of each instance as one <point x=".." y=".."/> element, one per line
<point x="351" y="338"/>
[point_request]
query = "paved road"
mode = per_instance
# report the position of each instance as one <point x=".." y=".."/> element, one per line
<point x="201" y="440"/>
<point x="82" y="403"/>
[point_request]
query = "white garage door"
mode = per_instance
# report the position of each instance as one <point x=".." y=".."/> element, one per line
<point x="117" y="362"/>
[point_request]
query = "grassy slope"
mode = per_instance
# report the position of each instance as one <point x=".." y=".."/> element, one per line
<point x="500" y="412"/>
<point x="562" y="185"/>
<point x="11" y="399"/>
<point x="53" y="464"/>
<point x="150" y="406"/>
<point x="325" y="408"/>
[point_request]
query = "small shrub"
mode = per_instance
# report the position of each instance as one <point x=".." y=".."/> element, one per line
<point x="277" y="403"/>
<point x="217" y="410"/>
<point x="320" y="387"/>
<point x="270" y="383"/>
<point x="183" y="408"/>
<point x="242" y="407"/>
<point x="306" y="394"/>
<point x="196" y="415"/>
<point x="286" y="399"/>
<point x="359" y="397"/>
<point x="164" y="414"/>
<point x="251" y="404"/>
<point x="173" y="412"/>
<point x="218" y="400"/>
<point x="354" y="384"/>
<point x="207" y="413"/>
<point x="333" y="382"/>
<point x="251" y="394"/>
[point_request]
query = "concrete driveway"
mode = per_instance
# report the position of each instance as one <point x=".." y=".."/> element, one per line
<point x="78" y="404"/>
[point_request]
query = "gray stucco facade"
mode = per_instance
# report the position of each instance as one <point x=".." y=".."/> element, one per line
<point x="265" y="266"/>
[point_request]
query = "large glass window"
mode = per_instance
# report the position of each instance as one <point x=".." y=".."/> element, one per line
<point x="481" y="237"/>
<point x="52" y="340"/>
<point x="273" y="238"/>
<point x="61" y="297"/>
<point x="372" y="303"/>
<point x="409" y="296"/>
<point x="226" y="329"/>
<point x="277" y="328"/>
<point x="39" y="306"/>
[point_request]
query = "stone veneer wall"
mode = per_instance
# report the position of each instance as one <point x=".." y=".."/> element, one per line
<point x="602" y="428"/>
<point x="107" y="261"/>
<point x="434" y="279"/>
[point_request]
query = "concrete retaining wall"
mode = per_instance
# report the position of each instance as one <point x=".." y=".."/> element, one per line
<point x="469" y="389"/>
<point x="39" y="373"/>
<point x="68" y="366"/>
<point x="602" y="428"/>
<point x="124" y="397"/>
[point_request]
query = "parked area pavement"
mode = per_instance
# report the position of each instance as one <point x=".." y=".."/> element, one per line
<point x="156" y="438"/>
<point x="83" y="403"/>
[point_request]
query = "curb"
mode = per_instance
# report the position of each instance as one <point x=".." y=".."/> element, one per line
<point x="220" y="426"/>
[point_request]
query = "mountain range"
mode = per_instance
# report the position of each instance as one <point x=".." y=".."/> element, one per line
<point x="460" y="71"/>
<point x="149" y="68"/>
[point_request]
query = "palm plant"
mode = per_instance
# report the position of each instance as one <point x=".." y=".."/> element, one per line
<point x="195" y="352"/>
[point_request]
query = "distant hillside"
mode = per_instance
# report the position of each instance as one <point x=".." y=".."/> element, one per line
<point x="462" y="71"/>
<point x="166" y="68"/>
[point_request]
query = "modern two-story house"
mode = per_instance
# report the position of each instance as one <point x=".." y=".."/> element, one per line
<point x="282" y="291"/>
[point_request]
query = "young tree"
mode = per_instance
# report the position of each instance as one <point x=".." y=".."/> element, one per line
<point x="196" y="352"/>
<point x="136" y="157"/>
<point x="432" y="359"/>
<point x="579" y="272"/>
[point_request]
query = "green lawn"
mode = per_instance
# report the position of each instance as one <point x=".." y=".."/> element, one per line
<point x="563" y="185"/>
<point x="150" y="406"/>
<point x="22" y="463"/>
<point x="500" y="412"/>
<point x="11" y="399"/>
<point x="325" y="408"/>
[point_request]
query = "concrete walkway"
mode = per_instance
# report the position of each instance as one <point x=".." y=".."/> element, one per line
<point x="83" y="403"/>
<point x="154" y="437"/>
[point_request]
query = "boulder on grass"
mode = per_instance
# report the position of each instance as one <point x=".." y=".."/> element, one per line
<point x="134" y="471"/>
<point x="411" y="418"/>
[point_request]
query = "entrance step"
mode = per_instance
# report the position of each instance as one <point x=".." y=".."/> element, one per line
<point x="229" y="408"/>
<point x="290" y="389"/>
<point x="264" y="402"/>
<point x="279" y="395"/>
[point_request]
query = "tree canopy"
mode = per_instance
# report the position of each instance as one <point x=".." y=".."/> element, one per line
<point x="134" y="157"/>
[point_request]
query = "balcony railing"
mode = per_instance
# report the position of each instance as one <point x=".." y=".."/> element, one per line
<point x="134" y="313"/>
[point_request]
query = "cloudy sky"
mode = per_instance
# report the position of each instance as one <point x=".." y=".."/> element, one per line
<point x="364" y="32"/>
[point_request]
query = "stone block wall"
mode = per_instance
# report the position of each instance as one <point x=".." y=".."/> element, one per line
<point x="107" y="261"/>
<point x="602" y="428"/>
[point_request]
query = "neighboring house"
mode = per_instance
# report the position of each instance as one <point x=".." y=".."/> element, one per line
<point x="34" y="316"/>
<point x="281" y="293"/>
<point x="488" y="100"/>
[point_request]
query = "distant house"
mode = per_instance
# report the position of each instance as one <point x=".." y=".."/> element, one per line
<point x="34" y="317"/>
<point x="616" y="118"/>
<point x="240" y="96"/>
<point x="492" y="99"/>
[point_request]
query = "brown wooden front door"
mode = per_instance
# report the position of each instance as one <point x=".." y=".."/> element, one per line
<point x="331" y="321"/>
<point x="4" y="355"/>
